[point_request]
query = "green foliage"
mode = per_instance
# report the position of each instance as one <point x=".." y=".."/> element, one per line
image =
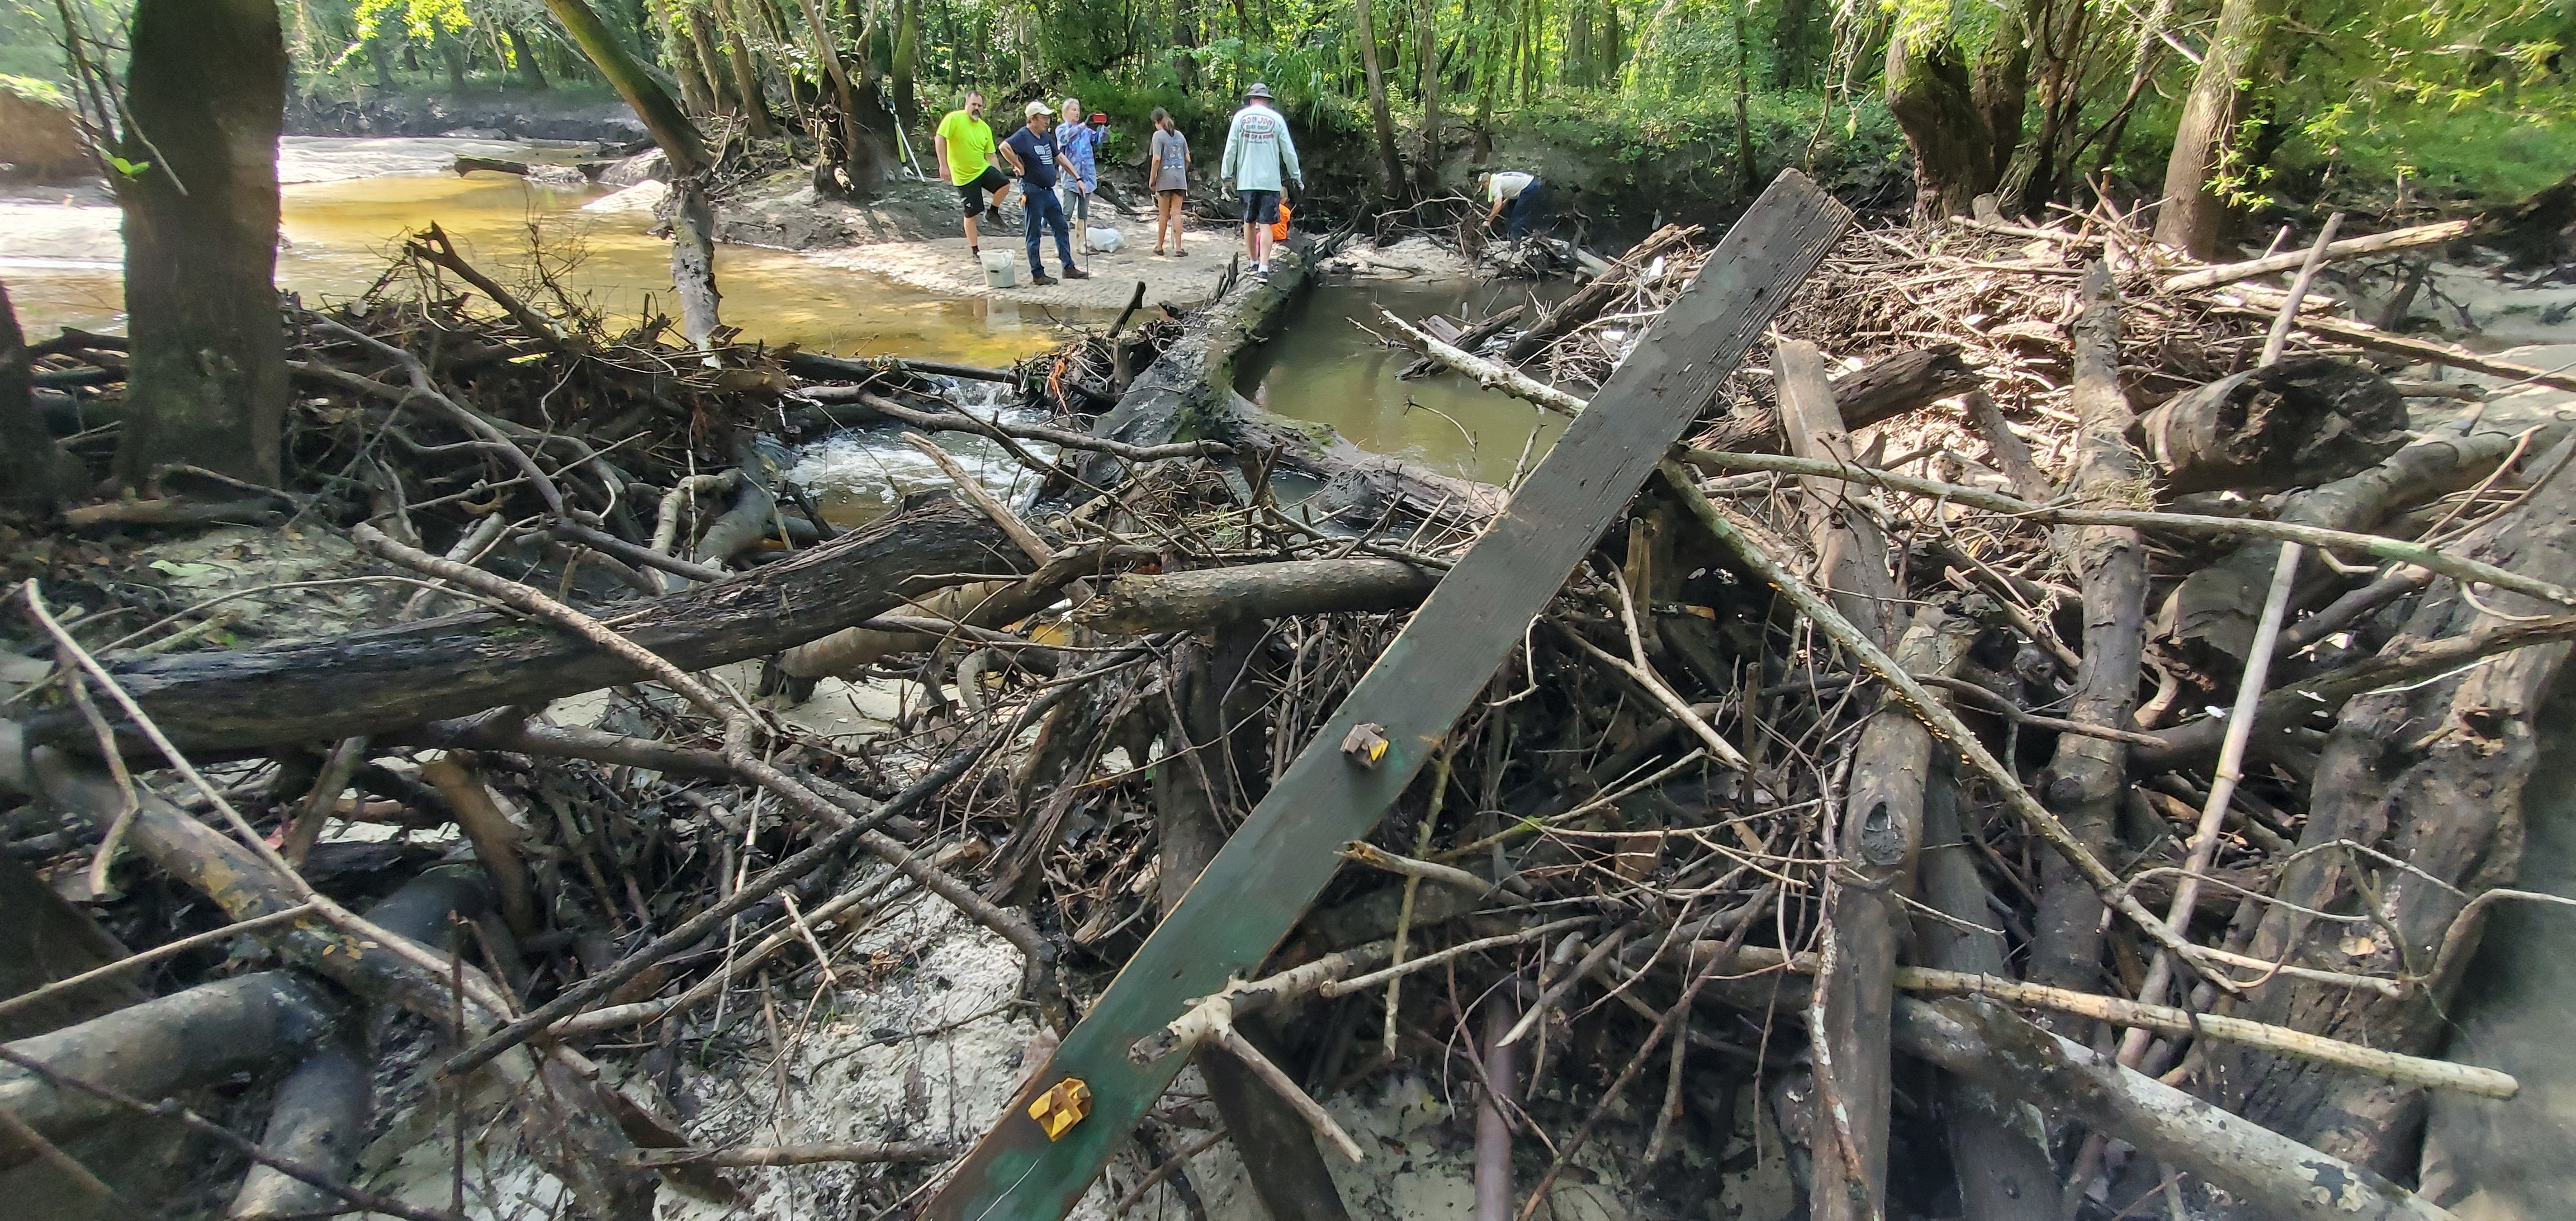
<point x="31" y="45"/>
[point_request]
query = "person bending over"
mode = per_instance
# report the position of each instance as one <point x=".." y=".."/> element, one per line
<point x="1168" y="173"/>
<point x="1523" y="193"/>
<point x="1038" y="163"/>
<point x="964" y="144"/>
<point x="1258" y="153"/>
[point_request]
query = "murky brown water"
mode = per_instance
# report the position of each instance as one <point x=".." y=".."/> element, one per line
<point x="1324" y="367"/>
<point x="348" y="204"/>
<point x="63" y="266"/>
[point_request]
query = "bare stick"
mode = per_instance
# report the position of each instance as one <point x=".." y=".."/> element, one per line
<point x="1489" y="374"/>
<point x="2317" y="537"/>
<point x="829" y="1152"/>
<point x="155" y="954"/>
<point x="1933" y="712"/>
<point x="2231" y="770"/>
<point x="1365" y="853"/>
<point x="1171" y="1166"/>
<point x="2280" y="336"/>
<point x="1307" y="1108"/>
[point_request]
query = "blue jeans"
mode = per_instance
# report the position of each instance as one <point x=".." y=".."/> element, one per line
<point x="1042" y="208"/>
<point x="1527" y="209"/>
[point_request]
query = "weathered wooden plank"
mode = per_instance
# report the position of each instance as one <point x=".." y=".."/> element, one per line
<point x="1258" y="886"/>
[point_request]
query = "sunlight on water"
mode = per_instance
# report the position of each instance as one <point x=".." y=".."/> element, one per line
<point x="63" y="265"/>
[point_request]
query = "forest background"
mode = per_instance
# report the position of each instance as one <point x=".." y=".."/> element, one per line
<point x="1645" y="109"/>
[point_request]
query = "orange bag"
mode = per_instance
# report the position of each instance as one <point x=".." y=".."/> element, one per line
<point x="1279" y="229"/>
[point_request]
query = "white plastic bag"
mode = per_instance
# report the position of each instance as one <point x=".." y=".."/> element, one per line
<point x="1103" y="239"/>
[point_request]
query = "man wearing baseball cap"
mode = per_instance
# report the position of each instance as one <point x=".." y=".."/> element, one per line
<point x="1036" y="160"/>
<point x="1257" y="152"/>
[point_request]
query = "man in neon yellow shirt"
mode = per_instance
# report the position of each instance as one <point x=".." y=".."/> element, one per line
<point x="965" y="147"/>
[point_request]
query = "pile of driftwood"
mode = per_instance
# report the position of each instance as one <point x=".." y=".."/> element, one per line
<point x="1873" y="726"/>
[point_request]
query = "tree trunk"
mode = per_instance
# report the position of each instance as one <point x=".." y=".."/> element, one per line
<point x="33" y="471"/>
<point x="1427" y="172"/>
<point x="451" y="52"/>
<point x="2087" y="776"/>
<point x="525" y="52"/>
<point x="904" y="61"/>
<point x="858" y="156"/>
<point x="1942" y="108"/>
<point x="2194" y="215"/>
<point x="719" y="89"/>
<point x="1197" y="781"/>
<point x="1380" y="121"/>
<point x="746" y="73"/>
<point x="206" y="92"/>
<point x="692" y="221"/>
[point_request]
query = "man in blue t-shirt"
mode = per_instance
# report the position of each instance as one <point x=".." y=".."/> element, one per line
<point x="1036" y="160"/>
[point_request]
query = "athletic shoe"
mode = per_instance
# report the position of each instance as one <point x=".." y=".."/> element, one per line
<point x="1040" y="279"/>
<point x="1076" y="273"/>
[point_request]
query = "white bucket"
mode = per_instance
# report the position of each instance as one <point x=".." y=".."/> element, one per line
<point x="1001" y="270"/>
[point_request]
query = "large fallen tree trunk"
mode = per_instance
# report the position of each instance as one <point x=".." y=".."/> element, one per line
<point x="1362" y="486"/>
<point x="162" y="1046"/>
<point x="1184" y="393"/>
<point x="2431" y="775"/>
<point x="1875" y="393"/>
<point x="377" y="681"/>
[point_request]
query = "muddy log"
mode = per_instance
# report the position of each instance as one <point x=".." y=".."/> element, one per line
<point x="1366" y="486"/>
<point x="1876" y="392"/>
<point x="2433" y="775"/>
<point x="319" y="1119"/>
<point x="2086" y="775"/>
<point x="171" y="1043"/>
<point x="386" y="679"/>
<point x="1278" y="1149"/>
<point x="1184" y="394"/>
<point x="2216" y="607"/>
<point x="1223" y="597"/>
<point x="2300" y="422"/>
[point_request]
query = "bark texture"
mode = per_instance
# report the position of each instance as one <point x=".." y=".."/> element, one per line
<point x="2194" y="216"/>
<point x="388" y="678"/>
<point x="206" y="92"/>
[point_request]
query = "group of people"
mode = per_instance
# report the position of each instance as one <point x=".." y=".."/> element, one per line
<point x="1055" y="160"/>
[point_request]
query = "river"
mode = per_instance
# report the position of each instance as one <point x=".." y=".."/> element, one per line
<point x="349" y="201"/>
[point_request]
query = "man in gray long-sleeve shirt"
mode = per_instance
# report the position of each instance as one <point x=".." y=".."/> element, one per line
<point x="1258" y="152"/>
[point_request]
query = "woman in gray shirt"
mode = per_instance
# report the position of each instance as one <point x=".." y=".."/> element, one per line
<point x="1169" y="174"/>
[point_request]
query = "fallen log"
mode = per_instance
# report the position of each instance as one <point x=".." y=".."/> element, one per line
<point x="385" y="679"/>
<point x="2351" y="247"/>
<point x="2431" y="774"/>
<point x="2297" y="423"/>
<point x="164" y="1045"/>
<point x="1185" y="393"/>
<point x="1588" y="301"/>
<point x="319" y="1119"/>
<point x="1221" y="597"/>
<point x="1363" y="487"/>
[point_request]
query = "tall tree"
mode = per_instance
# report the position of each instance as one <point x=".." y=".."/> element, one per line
<point x="2194" y="215"/>
<point x="1427" y="174"/>
<point x="905" y="60"/>
<point x="1959" y="107"/>
<point x="746" y="72"/>
<point x="1379" y="119"/>
<point x="205" y="97"/>
<point x="692" y="219"/>
<point x="859" y="156"/>
<point x="531" y="75"/>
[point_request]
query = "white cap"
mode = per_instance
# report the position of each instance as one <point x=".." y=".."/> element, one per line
<point x="1038" y="108"/>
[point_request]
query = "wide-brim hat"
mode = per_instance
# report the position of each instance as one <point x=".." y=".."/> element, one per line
<point x="1258" y="90"/>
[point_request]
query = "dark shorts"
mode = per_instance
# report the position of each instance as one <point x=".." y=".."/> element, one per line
<point x="970" y="195"/>
<point x="1171" y="195"/>
<point x="1261" y="207"/>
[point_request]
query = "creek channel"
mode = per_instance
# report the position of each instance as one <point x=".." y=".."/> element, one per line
<point x="349" y="201"/>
